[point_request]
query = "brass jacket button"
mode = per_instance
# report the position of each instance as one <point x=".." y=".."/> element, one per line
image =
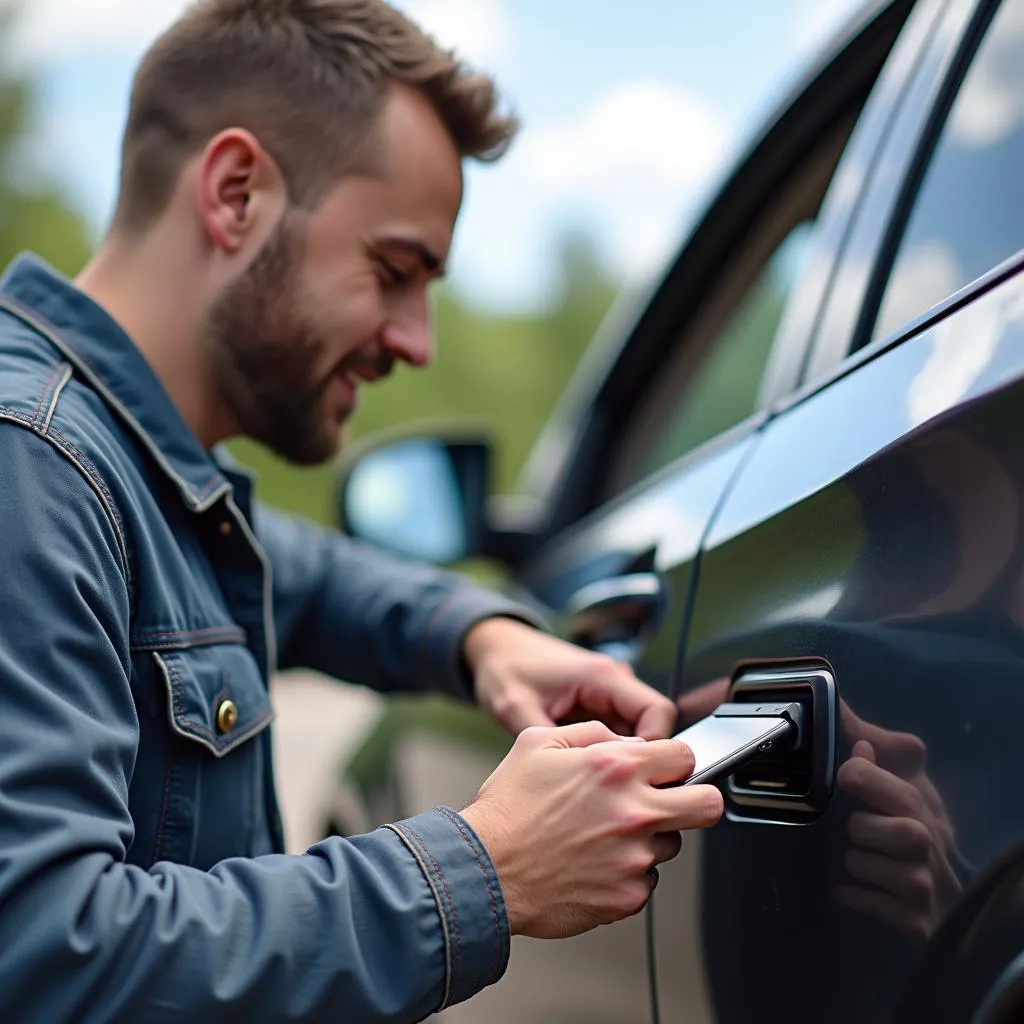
<point x="227" y="716"/>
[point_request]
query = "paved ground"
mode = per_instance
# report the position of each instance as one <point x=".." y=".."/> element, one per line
<point x="318" y="722"/>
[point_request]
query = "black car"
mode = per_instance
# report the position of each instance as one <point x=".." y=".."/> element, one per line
<point x="796" y="469"/>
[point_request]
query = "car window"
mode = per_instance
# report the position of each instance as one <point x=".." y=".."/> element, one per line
<point x="969" y="212"/>
<point x="712" y="379"/>
<point x="725" y="330"/>
<point x="724" y="388"/>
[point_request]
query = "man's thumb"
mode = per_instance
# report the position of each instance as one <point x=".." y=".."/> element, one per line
<point x="864" y="749"/>
<point x="585" y="734"/>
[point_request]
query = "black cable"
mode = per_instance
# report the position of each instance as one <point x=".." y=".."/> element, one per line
<point x="652" y="967"/>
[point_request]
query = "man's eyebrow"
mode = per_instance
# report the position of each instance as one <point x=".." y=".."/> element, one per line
<point x="427" y="256"/>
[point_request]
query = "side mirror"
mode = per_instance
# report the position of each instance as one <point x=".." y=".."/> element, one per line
<point x="423" y="497"/>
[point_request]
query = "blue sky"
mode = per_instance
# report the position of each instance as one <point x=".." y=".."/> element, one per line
<point x="631" y="111"/>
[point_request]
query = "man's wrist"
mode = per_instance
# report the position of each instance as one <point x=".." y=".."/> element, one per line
<point x="487" y="636"/>
<point x="480" y="638"/>
<point x="495" y="843"/>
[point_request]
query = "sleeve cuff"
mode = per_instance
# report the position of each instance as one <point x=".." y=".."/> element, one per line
<point x="443" y="659"/>
<point x="469" y="900"/>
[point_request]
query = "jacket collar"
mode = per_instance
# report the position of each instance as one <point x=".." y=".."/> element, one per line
<point x="104" y="356"/>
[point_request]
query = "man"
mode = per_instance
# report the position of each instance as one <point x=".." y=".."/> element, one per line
<point x="291" y="179"/>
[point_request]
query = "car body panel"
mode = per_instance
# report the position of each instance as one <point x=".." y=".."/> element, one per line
<point x="658" y="529"/>
<point x="896" y="553"/>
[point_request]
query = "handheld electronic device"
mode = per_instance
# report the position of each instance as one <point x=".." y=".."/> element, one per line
<point x="735" y="734"/>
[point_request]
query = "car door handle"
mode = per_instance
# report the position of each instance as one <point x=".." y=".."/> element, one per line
<point x="615" y="615"/>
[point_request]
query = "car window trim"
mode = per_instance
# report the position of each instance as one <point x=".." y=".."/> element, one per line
<point x="768" y="154"/>
<point x="738" y="432"/>
<point x="949" y="306"/>
<point x="842" y="315"/>
<point x="791" y="350"/>
<point x="910" y="189"/>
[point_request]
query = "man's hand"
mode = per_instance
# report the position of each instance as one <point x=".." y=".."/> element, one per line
<point x="575" y="825"/>
<point x="900" y="846"/>
<point x="526" y="678"/>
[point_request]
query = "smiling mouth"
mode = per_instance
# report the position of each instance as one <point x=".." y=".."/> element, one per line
<point x="349" y="379"/>
<point x="363" y="376"/>
<point x="347" y="384"/>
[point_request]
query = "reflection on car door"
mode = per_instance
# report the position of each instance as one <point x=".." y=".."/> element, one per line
<point x="620" y="579"/>
<point x="879" y="527"/>
<point x="893" y="551"/>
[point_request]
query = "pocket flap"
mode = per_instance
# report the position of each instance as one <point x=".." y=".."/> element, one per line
<point x="215" y="695"/>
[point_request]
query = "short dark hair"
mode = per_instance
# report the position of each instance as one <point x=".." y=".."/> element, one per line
<point x="307" y="77"/>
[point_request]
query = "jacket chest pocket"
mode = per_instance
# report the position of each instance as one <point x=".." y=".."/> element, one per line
<point x="199" y="789"/>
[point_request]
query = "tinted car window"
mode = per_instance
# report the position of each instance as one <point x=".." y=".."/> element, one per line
<point x="724" y="388"/>
<point x="969" y="213"/>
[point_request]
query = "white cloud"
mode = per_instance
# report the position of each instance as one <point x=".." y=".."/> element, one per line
<point x="954" y="367"/>
<point x="632" y="166"/>
<point x="52" y="30"/>
<point x="481" y="30"/>
<point x="641" y="134"/>
<point x="813" y="22"/>
<point x="991" y="107"/>
<point x="924" y="275"/>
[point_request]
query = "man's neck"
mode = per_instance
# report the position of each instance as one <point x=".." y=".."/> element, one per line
<point x="160" y="307"/>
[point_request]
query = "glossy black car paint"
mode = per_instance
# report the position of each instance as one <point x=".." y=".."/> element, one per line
<point x="897" y="553"/>
<point x="869" y="518"/>
<point x="876" y="522"/>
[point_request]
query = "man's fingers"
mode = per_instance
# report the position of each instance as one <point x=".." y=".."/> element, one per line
<point x="881" y="906"/>
<point x="618" y="694"/>
<point x="913" y="884"/>
<point x="688" y="807"/>
<point x="666" y="846"/>
<point x="904" y="838"/>
<point x="899" y="752"/>
<point x="582" y="734"/>
<point x="664" y="762"/>
<point x="523" y="714"/>
<point x="658" y="718"/>
<point x="864" y="749"/>
<point x="902" y="753"/>
<point x="879" y="789"/>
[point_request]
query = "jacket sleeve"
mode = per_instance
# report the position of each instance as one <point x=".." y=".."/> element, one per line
<point x="385" y="927"/>
<point x="357" y="613"/>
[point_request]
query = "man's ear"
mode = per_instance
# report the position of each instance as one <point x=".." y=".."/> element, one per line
<point x="241" y="191"/>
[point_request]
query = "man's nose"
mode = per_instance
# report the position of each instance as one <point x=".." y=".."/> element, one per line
<point x="408" y="334"/>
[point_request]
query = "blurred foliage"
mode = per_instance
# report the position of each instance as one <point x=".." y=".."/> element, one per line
<point x="505" y="370"/>
<point x="460" y="726"/>
<point x="34" y="214"/>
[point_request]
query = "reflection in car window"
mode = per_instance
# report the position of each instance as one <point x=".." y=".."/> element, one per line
<point x="724" y="389"/>
<point x="969" y="214"/>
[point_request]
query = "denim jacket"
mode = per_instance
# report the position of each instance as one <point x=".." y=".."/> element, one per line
<point x="145" y="600"/>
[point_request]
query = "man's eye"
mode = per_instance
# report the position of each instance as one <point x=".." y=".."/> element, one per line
<point x="394" y="274"/>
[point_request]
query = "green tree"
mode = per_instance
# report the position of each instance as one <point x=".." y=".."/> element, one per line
<point x="33" y="214"/>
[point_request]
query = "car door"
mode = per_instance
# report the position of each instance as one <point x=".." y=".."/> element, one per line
<point x="873" y="541"/>
<point x="674" y="412"/>
<point x="667" y="409"/>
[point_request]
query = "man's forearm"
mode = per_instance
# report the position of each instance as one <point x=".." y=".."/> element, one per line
<point x="386" y="927"/>
<point x="358" y="614"/>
